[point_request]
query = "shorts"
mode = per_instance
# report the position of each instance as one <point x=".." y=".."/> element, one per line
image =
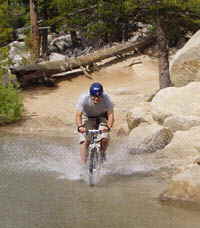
<point x="94" y="123"/>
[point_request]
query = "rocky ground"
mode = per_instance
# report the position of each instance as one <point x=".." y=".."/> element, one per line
<point x="51" y="111"/>
<point x="165" y="132"/>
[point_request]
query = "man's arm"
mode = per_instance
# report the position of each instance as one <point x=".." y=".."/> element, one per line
<point x="79" y="122"/>
<point x="111" y="119"/>
<point x="78" y="119"/>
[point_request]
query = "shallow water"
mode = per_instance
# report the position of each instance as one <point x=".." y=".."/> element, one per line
<point x="40" y="186"/>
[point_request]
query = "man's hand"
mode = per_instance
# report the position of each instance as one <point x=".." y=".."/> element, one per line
<point x="81" y="129"/>
<point x="107" y="129"/>
<point x="110" y="120"/>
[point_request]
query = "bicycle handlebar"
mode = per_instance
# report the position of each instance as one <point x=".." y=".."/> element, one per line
<point x="94" y="132"/>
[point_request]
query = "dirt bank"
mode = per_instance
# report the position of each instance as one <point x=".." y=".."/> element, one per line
<point x="50" y="111"/>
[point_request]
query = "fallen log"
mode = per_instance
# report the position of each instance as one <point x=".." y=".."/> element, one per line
<point x="44" y="70"/>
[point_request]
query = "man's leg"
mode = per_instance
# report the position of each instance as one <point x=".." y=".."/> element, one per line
<point x="83" y="157"/>
<point x="84" y="151"/>
<point x="104" y="144"/>
<point x="85" y="140"/>
<point x="84" y="144"/>
<point x="89" y="123"/>
<point x="104" y="137"/>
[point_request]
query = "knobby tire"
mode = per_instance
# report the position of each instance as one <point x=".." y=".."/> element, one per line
<point x="93" y="164"/>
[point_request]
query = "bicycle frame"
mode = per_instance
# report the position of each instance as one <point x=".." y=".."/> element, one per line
<point x="94" y="142"/>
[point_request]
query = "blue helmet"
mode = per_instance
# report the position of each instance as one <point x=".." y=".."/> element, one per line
<point x="96" y="89"/>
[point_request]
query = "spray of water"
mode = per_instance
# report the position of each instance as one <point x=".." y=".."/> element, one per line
<point x="29" y="155"/>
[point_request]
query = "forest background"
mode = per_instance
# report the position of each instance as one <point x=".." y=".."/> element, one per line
<point x="100" y="22"/>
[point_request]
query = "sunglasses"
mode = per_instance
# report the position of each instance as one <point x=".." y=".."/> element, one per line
<point x="96" y="96"/>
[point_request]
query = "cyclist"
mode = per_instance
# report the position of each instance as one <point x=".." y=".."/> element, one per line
<point x="94" y="111"/>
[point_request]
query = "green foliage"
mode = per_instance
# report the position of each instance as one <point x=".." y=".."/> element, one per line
<point x="4" y="60"/>
<point x="5" y="35"/>
<point x="107" y="18"/>
<point x="177" y="17"/>
<point x="13" y="15"/>
<point x="11" y="106"/>
<point x="5" y="30"/>
<point x="102" y="18"/>
<point x="97" y="29"/>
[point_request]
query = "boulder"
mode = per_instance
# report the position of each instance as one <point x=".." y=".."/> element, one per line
<point x="197" y="161"/>
<point x="140" y="114"/>
<point x="122" y="130"/>
<point x="185" y="185"/>
<point x="148" y="138"/>
<point x="18" y="53"/>
<point x="183" y="148"/>
<point x="185" y="66"/>
<point x="56" y="57"/>
<point x="181" y="123"/>
<point x="60" y="43"/>
<point x="173" y="101"/>
<point x="180" y="153"/>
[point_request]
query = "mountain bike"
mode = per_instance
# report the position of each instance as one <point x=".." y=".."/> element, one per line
<point x="96" y="157"/>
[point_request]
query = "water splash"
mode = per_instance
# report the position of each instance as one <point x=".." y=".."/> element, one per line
<point x="52" y="157"/>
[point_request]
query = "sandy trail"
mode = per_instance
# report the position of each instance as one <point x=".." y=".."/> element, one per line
<point x="51" y="111"/>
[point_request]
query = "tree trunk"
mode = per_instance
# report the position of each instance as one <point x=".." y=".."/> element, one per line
<point x="164" y="75"/>
<point x="44" y="43"/>
<point x="46" y="69"/>
<point x="35" y="30"/>
<point x="74" y="38"/>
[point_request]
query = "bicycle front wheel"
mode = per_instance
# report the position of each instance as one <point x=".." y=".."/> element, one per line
<point x="93" y="166"/>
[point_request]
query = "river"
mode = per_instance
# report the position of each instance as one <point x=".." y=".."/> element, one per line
<point x="40" y="187"/>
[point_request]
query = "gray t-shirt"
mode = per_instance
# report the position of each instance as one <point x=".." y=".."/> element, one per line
<point x="86" y="106"/>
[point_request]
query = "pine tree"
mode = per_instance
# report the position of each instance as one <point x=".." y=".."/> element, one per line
<point x="108" y="20"/>
<point x="171" y="19"/>
<point x="13" y="15"/>
<point x="35" y="37"/>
